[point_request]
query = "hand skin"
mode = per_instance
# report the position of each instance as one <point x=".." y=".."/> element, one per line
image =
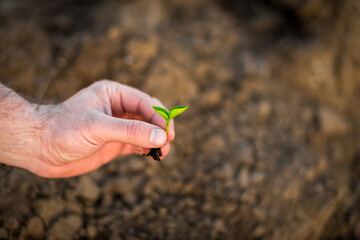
<point x="86" y="131"/>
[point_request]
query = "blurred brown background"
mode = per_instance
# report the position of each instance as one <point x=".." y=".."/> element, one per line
<point x="269" y="148"/>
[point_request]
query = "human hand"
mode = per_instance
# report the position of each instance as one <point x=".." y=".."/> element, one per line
<point x="97" y="124"/>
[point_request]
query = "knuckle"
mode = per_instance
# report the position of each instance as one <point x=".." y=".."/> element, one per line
<point x="89" y="121"/>
<point x="102" y="82"/>
<point x="133" y="129"/>
<point x="100" y="86"/>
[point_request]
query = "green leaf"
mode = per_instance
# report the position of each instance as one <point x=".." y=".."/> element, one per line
<point x="176" y="111"/>
<point x="162" y="111"/>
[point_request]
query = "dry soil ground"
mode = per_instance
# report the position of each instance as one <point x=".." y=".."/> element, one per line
<point x="269" y="148"/>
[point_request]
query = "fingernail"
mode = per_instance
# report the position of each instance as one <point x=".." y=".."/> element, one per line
<point x="158" y="137"/>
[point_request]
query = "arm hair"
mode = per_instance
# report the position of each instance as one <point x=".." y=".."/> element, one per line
<point x="20" y="129"/>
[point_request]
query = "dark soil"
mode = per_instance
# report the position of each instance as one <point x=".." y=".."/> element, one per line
<point x="269" y="148"/>
<point x="155" y="153"/>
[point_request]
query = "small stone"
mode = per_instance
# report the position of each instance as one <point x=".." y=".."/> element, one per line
<point x="259" y="231"/>
<point x="230" y="208"/>
<point x="264" y="111"/>
<point x="332" y="123"/>
<point x="257" y="177"/>
<point x="245" y="153"/>
<point x="163" y="212"/>
<point x="114" y="33"/>
<point x="74" y="207"/>
<point x="121" y="186"/>
<point x="251" y="64"/>
<point x="219" y="226"/>
<point x="66" y="227"/>
<point x="88" y="189"/>
<point x="190" y="188"/>
<point x="145" y="205"/>
<point x="105" y="220"/>
<point x="35" y="227"/>
<point x="128" y="60"/>
<point x="259" y="214"/>
<point x="228" y="171"/>
<point x="91" y="231"/>
<point x="48" y="209"/>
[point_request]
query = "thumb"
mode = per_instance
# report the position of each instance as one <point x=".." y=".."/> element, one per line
<point x="134" y="132"/>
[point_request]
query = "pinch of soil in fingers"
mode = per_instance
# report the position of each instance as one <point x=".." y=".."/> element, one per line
<point x="155" y="153"/>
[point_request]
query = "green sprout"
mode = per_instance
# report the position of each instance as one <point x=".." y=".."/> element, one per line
<point x="169" y="115"/>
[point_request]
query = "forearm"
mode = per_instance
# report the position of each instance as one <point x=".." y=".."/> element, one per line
<point x="20" y="130"/>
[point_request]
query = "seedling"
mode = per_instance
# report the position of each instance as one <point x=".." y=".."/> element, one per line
<point x="169" y="115"/>
<point x="155" y="153"/>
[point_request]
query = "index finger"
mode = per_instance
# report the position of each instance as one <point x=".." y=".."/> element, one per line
<point x="124" y="99"/>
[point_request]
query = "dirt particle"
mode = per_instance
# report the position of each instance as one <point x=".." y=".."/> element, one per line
<point x="264" y="111"/>
<point x="35" y="227"/>
<point x="163" y="212"/>
<point x="219" y="226"/>
<point x="259" y="231"/>
<point x="293" y="190"/>
<point x="74" y="206"/>
<point x="48" y="209"/>
<point x="332" y="123"/>
<point x="257" y="177"/>
<point x="91" y="231"/>
<point x="66" y="227"/>
<point x="87" y="189"/>
<point x="155" y="153"/>
<point x="244" y="153"/>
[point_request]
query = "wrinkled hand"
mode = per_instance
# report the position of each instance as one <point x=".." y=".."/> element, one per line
<point x="97" y="124"/>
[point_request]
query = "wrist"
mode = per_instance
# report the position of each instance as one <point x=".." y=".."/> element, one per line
<point x="20" y="132"/>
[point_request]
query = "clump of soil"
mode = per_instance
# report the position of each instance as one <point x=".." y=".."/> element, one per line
<point x="155" y="153"/>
